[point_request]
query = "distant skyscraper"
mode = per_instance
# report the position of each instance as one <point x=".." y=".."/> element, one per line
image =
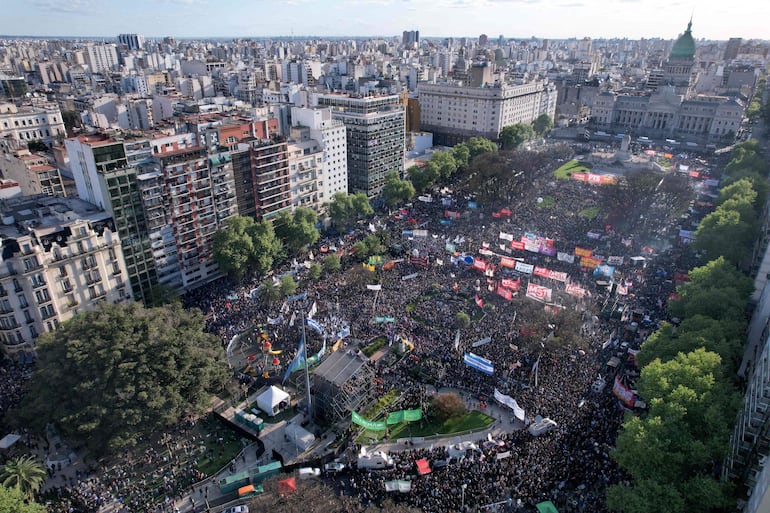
<point x="410" y="36"/>
<point x="483" y="40"/>
<point x="733" y="45"/>
<point x="132" y="41"/>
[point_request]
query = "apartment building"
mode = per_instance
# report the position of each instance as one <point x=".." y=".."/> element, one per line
<point x="455" y="112"/>
<point x="31" y="123"/>
<point x="61" y="257"/>
<point x="105" y="171"/>
<point x="331" y="136"/>
<point x="198" y="194"/>
<point x="34" y="172"/>
<point x="375" y="132"/>
<point x="261" y="174"/>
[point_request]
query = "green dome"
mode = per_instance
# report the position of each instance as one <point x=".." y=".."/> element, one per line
<point x="684" y="48"/>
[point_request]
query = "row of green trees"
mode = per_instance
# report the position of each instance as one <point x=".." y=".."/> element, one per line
<point x="756" y="108"/>
<point x="729" y="231"/>
<point x="673" y="453"/>
<point x="442" y="166"/>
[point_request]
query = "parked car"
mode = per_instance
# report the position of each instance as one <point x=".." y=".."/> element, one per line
<point x="308" y="472"/>
<point x="334" y="467"/>
<point x="237" y="509"/>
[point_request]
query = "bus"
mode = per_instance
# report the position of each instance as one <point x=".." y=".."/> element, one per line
<point x="263" y="472"/>
<point x="232" y="483"/>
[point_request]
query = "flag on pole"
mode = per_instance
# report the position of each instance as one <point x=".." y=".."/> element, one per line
<point x="479" y="301"/>
<point x="295" y="363"/>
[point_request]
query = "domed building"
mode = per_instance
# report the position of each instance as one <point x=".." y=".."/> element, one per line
<point x="678" y="69"/>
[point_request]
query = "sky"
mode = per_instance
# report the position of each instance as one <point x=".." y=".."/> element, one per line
<point x="633" y="19"/>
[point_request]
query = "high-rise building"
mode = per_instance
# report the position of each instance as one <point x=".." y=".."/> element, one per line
<point x="375" y="129"/>
<point x="104" y="176"/>
<point x="410" y="37"/>
<point x="483" y="40"/>
<point x="261" y="174"/>
<point x="132" y="41"/>
<point x="732" y="48"/>
<point x="197" y="194"/>
<point x="61" y="257"/>
<point x="101" y="57"/>
<point x="330" y="134"/>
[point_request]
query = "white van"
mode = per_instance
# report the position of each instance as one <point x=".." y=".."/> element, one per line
<point x="541" y="427"/>
<point x="374" y="460"/>
<point x="309" y="473"/>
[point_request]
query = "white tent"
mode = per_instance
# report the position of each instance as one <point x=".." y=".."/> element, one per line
<point x="273" y="400"/>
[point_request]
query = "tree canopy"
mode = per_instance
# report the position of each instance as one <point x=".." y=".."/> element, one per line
<point x="395" y="190"/>
<point x="478" y="146"/>
<point x="345" y="209"/>
<point x="246" y="246"/>
<point x="13" y="501"/>
<point x="542" y="124"/>
<point x="120" y="372"/>
<point x="513" y="136"/>
<point x="674" y="448"/>
<point x="25" y="473"/>
<point x="296" y="230"/>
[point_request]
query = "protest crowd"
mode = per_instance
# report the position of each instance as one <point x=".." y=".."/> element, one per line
<point x="547" y="363"/>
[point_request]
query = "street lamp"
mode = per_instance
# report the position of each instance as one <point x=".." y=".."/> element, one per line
<point x="462" y="501"/>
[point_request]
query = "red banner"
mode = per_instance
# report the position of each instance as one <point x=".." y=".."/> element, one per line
<point x="622" y="392"/>
<point x="552" y="275"/>
<point x="503" y="292"/>
<point x="511" y="284"/>
<point x="538" y="293"/>
<point x="480" y="265"/>
<point x="451" y="215"/>
<point x="479" y="301"/>
<point x="575" y="290"/>
<point x="515" y="244"/>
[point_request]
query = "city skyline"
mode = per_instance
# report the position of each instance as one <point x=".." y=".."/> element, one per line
<point x="632" y="19"/>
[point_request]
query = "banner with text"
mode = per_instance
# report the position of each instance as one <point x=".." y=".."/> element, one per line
<point x="539" y="293"/>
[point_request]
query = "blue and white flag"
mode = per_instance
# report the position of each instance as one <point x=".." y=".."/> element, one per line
<point x="296" y="362"/>
<point x="315" y="325"/>
<point x="479" y="363"/>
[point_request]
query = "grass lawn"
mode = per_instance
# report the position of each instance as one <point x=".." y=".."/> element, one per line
<point x="573" y="166"/>
<point x="590" y="213"/>
<point x="548" y="201"/>
<point x="213" y="461"/>
<point x="375" y="346"/>
<point x="473" y="420"/>
<point x="221" y="443"/>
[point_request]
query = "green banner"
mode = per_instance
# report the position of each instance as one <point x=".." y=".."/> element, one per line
<point x="375" y="260"/>
<point x="384" y="319"/>
<point x="400" y="416"/>
<point x="368" y="424"/>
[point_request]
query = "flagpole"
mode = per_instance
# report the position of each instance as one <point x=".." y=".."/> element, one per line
<point x="307" y="374"/>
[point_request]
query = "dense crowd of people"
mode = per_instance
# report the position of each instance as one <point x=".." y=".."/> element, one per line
<point x="570" y="466"/>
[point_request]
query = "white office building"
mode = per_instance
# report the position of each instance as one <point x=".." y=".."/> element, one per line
<point x="454" y="112"/>
<point x="330" y="134"/>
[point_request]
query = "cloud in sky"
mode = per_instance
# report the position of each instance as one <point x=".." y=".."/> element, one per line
<point x="713" y="19"/>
